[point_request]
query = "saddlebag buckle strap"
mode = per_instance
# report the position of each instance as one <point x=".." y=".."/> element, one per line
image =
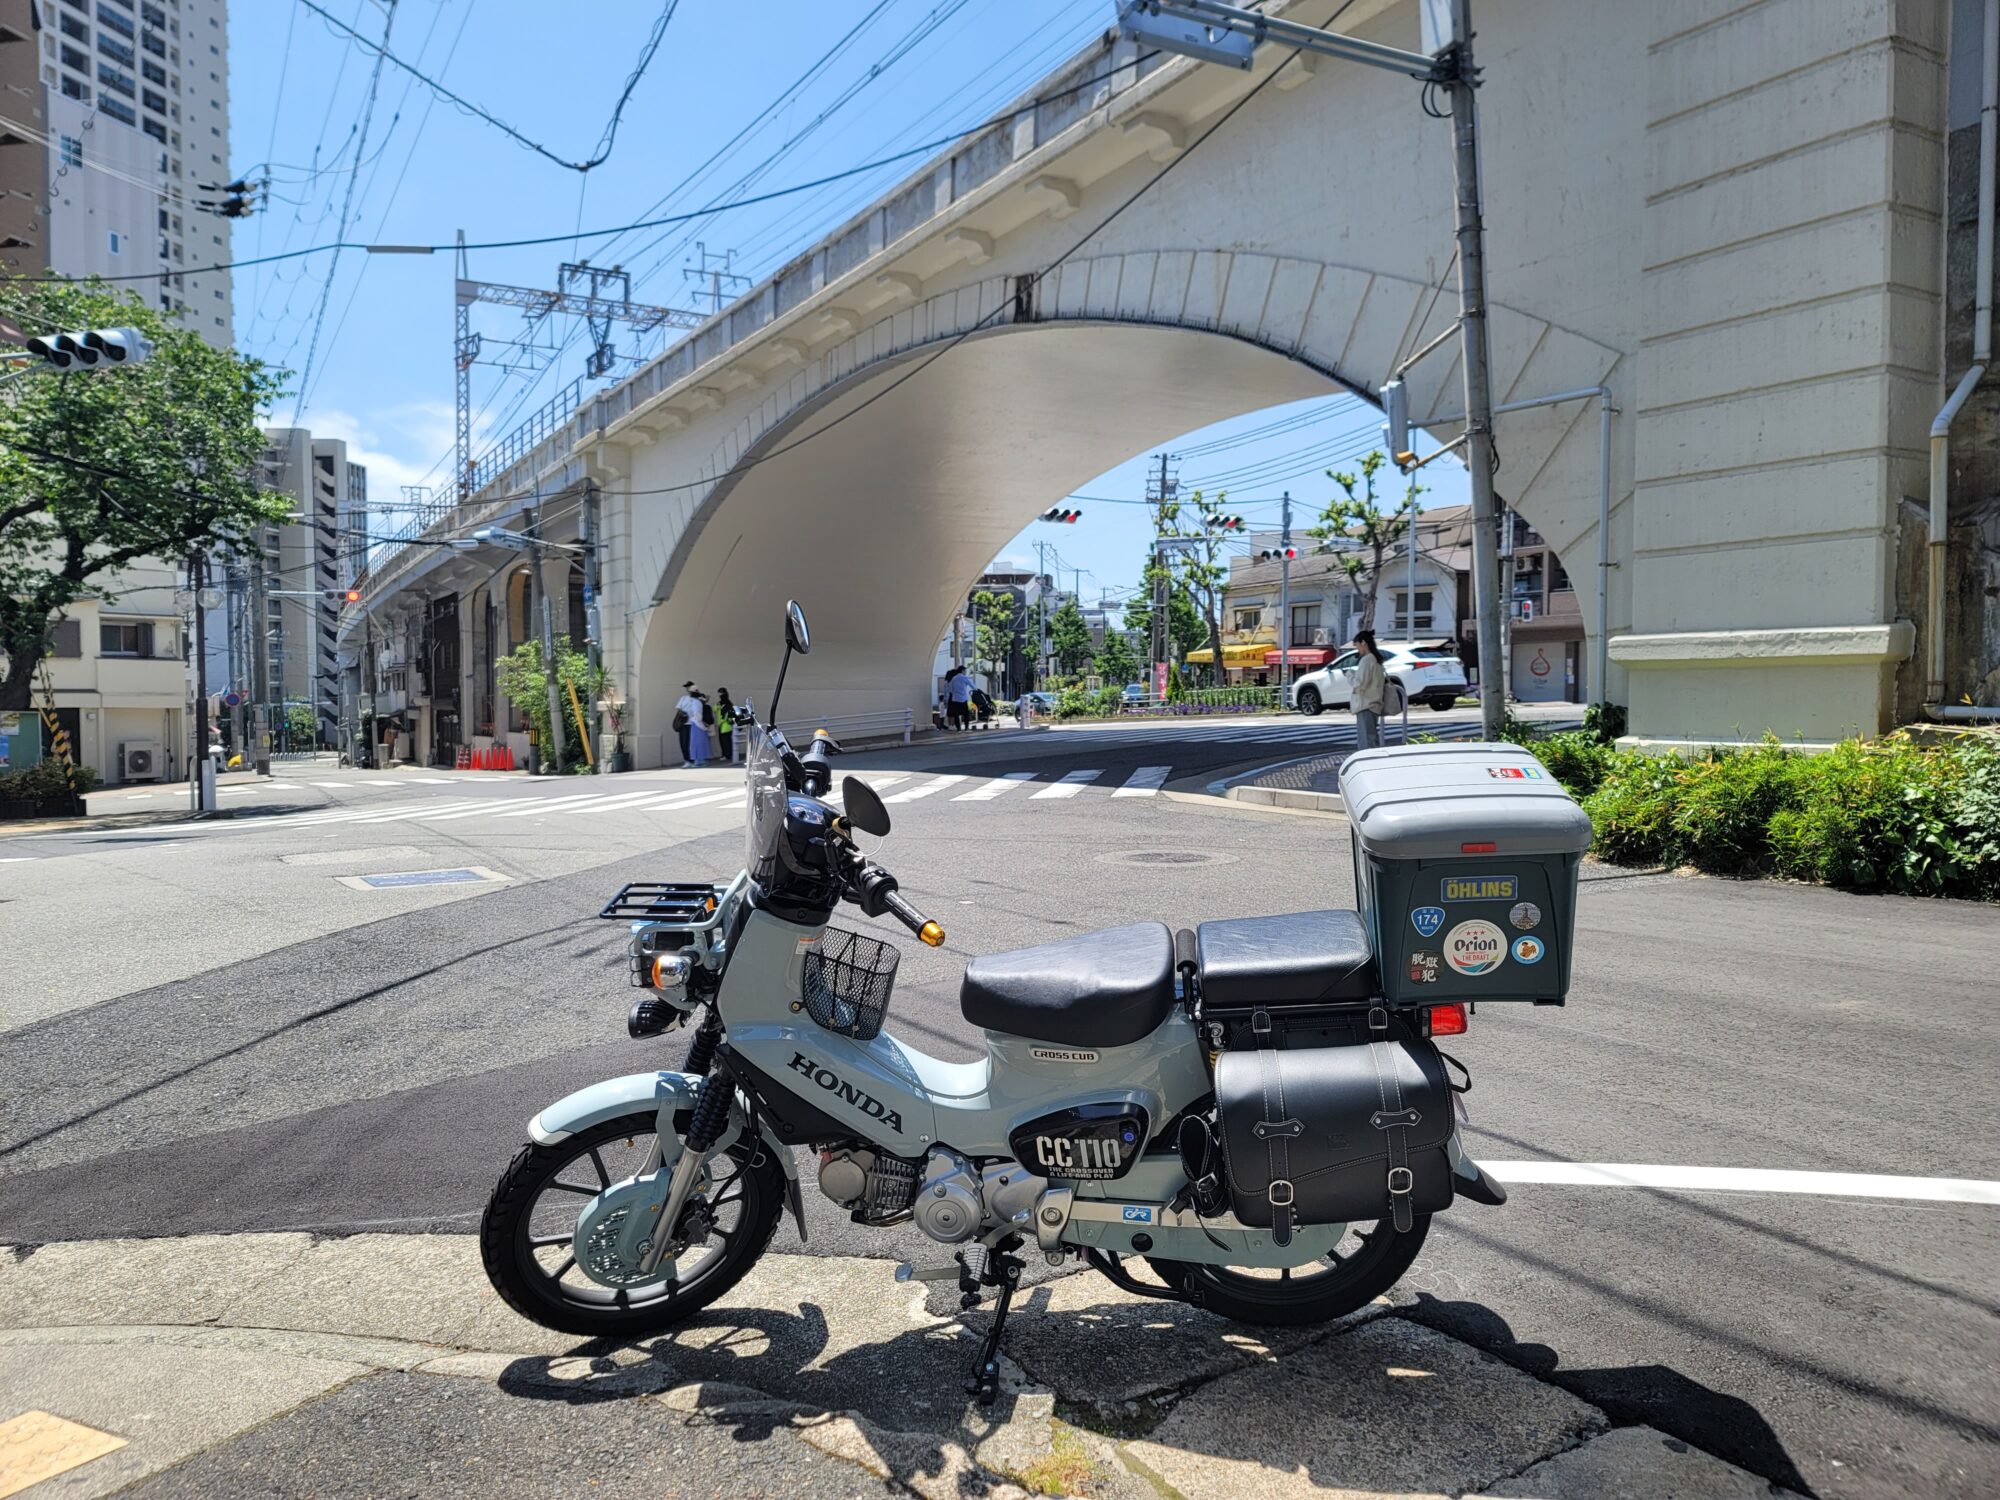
<point x="1260" y="1025"/>
<point x="1384" y="1119"/>
<point x="1402" y="1182"/>
<point x="1281" y="1193"/>
<point x="1378" y="1020"/>
<point x="1265" y="1129"/>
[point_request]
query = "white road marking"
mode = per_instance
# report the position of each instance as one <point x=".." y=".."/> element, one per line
<point x="1746" y="1180"/>
<point x="1144" y="782"/>
<point x="432" y="780"/>
<point x="934" y="785"/>
<point x="456" y="807"/>
<point x="392" y="781"/>
<point x="15" y="859"/>
<point x="672" y="801"/>
<point x="999" y="786"/>
<point x="370" y="813"/>
<point x="1069" y="786"/>
<point x="331" y="786"/>
<point x="621" y="803"/>
<point x="550" y="804"/>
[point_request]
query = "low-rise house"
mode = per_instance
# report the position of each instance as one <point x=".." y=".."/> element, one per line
<point x="121" y="680"/>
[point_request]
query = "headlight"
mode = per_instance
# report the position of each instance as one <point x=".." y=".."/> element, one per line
<point x="671" y="970"/>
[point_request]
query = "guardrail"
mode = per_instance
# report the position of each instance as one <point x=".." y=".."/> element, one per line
<point x="887" y="724"/>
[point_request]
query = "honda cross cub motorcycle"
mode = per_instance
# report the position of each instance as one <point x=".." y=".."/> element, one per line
<point x="1256" y="1108"/>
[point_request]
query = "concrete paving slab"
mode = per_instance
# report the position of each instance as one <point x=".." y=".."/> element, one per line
<point x="1638" y="1463"/>
<point x="379" y="1354"/>
<point x="1389" y="1407"/>
<point x="166" y="1401"/>
<point x="190" y="1279"/>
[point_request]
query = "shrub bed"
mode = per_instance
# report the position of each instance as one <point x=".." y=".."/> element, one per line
<point x="1869" y="815"/>
<point x="43" y="790"/>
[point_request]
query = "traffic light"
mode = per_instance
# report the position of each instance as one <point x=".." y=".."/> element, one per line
<point x="343" y="596"/>
<point x="1060" y="516"/>
<point x="235" y="202"/>
<point x="1226" y="523"/>
<point x="354" y="596"/>
<point x="1396" y="423"/>
<point x="1277" y="554"/>
<point x="93" y="349"/>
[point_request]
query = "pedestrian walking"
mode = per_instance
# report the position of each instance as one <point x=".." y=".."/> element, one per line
<point x="701" y="730"/>
<point x="1369" y="696"/>
<point x="725" y="726"/>
<point x="959" y="693"/>
<point x="687" y="714"/>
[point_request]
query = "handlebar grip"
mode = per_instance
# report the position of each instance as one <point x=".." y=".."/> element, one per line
<point x="925" y="929"/>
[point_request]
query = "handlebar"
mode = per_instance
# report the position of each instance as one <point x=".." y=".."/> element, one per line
<point x="925" y="929"/>
<point x="873" y="889"/>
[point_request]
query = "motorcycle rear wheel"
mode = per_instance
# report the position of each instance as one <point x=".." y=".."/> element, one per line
<point x="524" y="1237"/>
<point x="1364" y="1265"/>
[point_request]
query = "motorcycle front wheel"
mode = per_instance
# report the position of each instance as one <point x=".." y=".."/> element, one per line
<point x="527" y="1233"/>
<point x="1368" y="1261"/>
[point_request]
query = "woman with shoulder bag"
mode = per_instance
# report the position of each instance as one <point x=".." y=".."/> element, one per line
<point x="725" y="726"/>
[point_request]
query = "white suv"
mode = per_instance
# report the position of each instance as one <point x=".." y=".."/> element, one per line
<point x="1426" y="675"/>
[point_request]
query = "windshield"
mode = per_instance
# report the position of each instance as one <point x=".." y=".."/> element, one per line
<point x="764" y="780"/>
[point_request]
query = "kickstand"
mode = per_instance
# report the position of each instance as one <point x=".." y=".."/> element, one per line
<point x="1003" y="1270"/>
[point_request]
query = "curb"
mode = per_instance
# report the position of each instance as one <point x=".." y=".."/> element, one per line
<point x="1287" y="800"/>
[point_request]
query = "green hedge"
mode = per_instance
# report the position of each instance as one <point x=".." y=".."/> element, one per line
<point x="1869" y="815"/>
<point x="45" y="784"/>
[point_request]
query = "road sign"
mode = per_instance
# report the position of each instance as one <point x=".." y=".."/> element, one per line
<point x="232" y="700"/>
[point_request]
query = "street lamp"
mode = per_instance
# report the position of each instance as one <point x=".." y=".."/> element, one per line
<point x="1212" y="31"/>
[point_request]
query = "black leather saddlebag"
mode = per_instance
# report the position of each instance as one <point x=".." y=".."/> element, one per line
<point x="1333" y="1135"/>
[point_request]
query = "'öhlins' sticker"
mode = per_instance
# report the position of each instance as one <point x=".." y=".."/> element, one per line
<point x="1475" y="948"/>
<point x="1481" y="887"/>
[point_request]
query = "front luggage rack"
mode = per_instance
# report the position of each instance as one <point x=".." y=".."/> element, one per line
<point x="847" y="982"/>
<point x="662" y="901"/>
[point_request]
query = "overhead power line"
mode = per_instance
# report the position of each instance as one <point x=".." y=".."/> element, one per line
<point x="478" y="112"/>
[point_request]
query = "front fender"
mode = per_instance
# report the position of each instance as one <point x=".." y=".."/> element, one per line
<point x="661" y="1092"/>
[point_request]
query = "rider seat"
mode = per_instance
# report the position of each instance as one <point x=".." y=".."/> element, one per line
<point x="1103" y="989"/>
<point x="1300" y="960"/>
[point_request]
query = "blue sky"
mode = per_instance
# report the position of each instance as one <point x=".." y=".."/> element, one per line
<point x="726" y="109"/>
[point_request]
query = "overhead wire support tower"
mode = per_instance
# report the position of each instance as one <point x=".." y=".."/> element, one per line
<point x="598" y="311"/>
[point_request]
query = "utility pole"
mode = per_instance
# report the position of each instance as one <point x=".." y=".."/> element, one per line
<point x="1475" y="348"/>
<point x="1505" y="681"/>
<point x="1410" y="566"/>
<point x="1285" y="599"/>
<point x="1161" y="490"/>
<point x="260" y="663"/>
<point x="552" y="752"/>
<point x="1036" y="673"/>
<point x="593" y="625"/>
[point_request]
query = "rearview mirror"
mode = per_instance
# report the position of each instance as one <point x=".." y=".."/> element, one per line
<point x="864" y="806"/>
<point x="797" y="637"/>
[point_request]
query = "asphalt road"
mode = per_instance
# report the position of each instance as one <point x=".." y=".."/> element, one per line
<point x="367" y="1058"/>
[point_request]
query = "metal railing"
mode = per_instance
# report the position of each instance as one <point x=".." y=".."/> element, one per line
<point x="889" y="723"/>
<point x="526" y="437"/>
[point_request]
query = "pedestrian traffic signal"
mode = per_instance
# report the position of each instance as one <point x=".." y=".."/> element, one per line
<point x="1062" y="517"/>
<point x="1396" y="429"/>
<point x="92" y="349"/>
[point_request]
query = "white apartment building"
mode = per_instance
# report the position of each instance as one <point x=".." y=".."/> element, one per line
<point x="137" y="124"/>
<point x="320" y="551"/>
<point x="120" y="678"/>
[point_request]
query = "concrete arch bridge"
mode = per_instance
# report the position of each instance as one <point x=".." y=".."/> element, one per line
<point x="1726" y="214"/>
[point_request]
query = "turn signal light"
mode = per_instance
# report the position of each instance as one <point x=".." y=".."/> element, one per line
<point x="1447" y="1020"/>
<point x="1485" y="848"/>
<point x="932" y="934"/>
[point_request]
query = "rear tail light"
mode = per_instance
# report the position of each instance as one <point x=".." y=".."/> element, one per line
<point x="1479" y="848"/>
<point x="1447" y="1020"/>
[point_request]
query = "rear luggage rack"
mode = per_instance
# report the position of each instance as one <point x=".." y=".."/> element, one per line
<point x="664" y="901"/>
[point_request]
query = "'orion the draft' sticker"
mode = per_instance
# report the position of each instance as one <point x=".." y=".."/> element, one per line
<point x="1525" y="915"/>
<point x="1481" y="887"/>
<point x="1424" y="967"/>
<point x="1528" y="950"/>
<point x="1427" y="919"/>
<point x="1475" y="948"/>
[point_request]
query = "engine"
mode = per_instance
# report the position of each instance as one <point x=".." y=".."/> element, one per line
<point x="949" y="1206"/>
<point x="875" y="1187"/>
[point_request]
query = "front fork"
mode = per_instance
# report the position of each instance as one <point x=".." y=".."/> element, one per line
<point x="705" y="1125"/>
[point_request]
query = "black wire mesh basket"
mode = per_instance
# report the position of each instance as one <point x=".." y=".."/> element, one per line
<point x="847" y="982"/>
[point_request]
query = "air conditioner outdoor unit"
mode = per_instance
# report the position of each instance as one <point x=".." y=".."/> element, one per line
<point x="139" y="760"/>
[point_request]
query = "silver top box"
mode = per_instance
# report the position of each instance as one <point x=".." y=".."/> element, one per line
<point x="1431" y="801"/>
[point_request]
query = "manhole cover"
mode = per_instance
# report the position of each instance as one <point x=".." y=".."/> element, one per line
<point x="402" y="879"/>
<point x="1167" y="857"/>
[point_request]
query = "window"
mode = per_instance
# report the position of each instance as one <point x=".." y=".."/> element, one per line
<point x="152" y="15"/>
<point x="115" y="242"/>
<point x="75" y="29"/>
<point x="118" y="109"/>
<point x="72" y="58"/>
<point x="110" y="46"/>
<point x="111" y="78"/>
<point x="157" y="103"/>
<point x="72" y="151"/>
<point x="1250" y="618"/>
<point x="69" y="638"/>
<point x="1423" y="621"/>
<point x="118" y="22"/>
<point x="120" y="638"/>
<point x="75" y="88"/>
<point x="1305" y="620"/>
<point x="164" y="220"/>
<point x="156" y="130"/>
<point x="1558" y="574"/>
<point x="152" y="72"/>
<point x="153" y="45"/>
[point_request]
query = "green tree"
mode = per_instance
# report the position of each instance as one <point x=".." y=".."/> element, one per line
<point x="521" y="677"/>
<point x="101" y="468"/>
<point x="1199" y="565"/>
<point x="993" y="640"/>
<point x="301" y="726"/>
<point x="1186" y="630"/>
<point x="1355" y="526"/>
<point x="1115" y="663"/>
<point x="1069" y="638"/>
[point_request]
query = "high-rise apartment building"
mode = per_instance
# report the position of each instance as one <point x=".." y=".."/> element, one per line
<point x="134" y="126"/>
<point x="309" y="560"/>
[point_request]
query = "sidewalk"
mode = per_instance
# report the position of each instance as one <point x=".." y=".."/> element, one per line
<point x="285" y="1364"/>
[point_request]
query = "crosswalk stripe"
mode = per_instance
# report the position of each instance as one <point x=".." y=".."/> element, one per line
<point x="380" y="782"/>
<point x="330" y="786"/>
<point x="423" y="812"/>
<point x="325" y="815"/>
<point x="674" y="801"/>
<point x="1143" y="782"/>
<point x="1069" y="786"/>
<point x="999" y="786"/>
<point x="934" y="785"/>
<point x="549" y="804"/>
<point x="621" y="803"/>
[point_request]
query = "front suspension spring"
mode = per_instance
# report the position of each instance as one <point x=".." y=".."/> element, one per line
<point x="701" y="1051"/>
<point x="711" y="1111"/>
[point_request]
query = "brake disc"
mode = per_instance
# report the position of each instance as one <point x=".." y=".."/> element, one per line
<point x="615" y="1231"/>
